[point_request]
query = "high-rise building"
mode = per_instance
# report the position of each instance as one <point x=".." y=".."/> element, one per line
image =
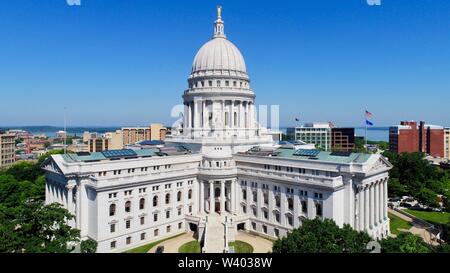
<point x="411" y="137"/>
<point x="7" y="149"/>
<point x="318" y="133"/>
<point x="155" y="131"/>
<point x="343" y="139"/>
<point x="109" y="141"/>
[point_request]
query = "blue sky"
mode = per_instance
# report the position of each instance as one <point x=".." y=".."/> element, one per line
<point x="126" y="62"/>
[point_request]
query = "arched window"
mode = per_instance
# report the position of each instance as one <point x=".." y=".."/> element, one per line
<point x="142" y="203"/>
<point x="128" y="206"/>
<point x="318" y="210"/>
<point x="190" y="194"/>
<point x="179" y="196"/>
<point x="155" y="201"/>
<point x="277" y="200"/>
<point x="217" y="192"/>
<point x="255" y="196"/>
<point x="244" y="194"/>
<point x="290" y="203"/>
<point x="266" y="198"/>
<point x="112" y="210"/>
<point x="168" y="198"/>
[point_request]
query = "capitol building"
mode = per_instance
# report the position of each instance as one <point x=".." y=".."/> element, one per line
<point x="219" y="173"/>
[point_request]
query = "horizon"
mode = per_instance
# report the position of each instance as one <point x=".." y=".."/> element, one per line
<point x="108" y="67"/>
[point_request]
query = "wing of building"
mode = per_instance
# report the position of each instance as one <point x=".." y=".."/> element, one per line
<point x="220" y="163"/>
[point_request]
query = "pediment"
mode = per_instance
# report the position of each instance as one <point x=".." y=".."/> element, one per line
<point x="50" y="165"/>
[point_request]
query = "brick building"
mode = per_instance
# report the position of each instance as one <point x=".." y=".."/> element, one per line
<point x="412" y="137"/>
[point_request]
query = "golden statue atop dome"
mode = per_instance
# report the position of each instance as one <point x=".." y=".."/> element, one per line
<point x="219" y="11"/>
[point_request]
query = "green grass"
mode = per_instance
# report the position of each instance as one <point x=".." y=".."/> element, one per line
<point x="190" y="247"/>
<point x="433" y="217"/>
<point x="397" y="223"/>
<point x="241" y="247"/>
<point x="147" y="247"/>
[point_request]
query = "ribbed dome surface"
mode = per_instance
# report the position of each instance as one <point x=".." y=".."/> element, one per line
<point x="219" y="54"/>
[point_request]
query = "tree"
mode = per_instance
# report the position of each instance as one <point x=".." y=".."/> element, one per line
<point x="317" y="236"/>
<point x="405" y="243"/>
<point x="36" y="228"/>
<point x="88" y="246"/>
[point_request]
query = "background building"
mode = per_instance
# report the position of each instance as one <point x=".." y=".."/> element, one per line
<point x="410" y="137"/>
<point x="7" y="149"/>
<point x="108" y="141"/>
<point x="343" y="139"/>
<point x="155" y="131"/>
<point x="447" y="143"/>
<point x="317" y="133"/>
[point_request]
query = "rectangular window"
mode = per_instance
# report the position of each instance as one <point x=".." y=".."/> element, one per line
<point x="128" y="224"/>
<point x="156" y="232"/>
<point x="128" y="240"/>
<point x="155" y="217"/>
<point x="113" y="244"/>
<point x="143" y="236"/>
<point x="112" y="228"/>
<point x="142" y="220"/>
<point x="168" y="214"/>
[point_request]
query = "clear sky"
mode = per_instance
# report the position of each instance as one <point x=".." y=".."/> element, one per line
<point x="126" y="62"/>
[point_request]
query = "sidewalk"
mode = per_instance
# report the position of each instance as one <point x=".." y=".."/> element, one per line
<point x="172" y="245"/>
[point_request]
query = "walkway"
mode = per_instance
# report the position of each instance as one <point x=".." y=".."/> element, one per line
<point x="172" y="245"/>
<point x="216" y="234"/>
<point x="417" y="228"/>
<point x="260" y="245"/>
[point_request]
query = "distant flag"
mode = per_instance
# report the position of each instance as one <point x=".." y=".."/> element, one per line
<point x="368" y="114"/>
<point x="297" y="119"/>
<point x="368" y="122"/>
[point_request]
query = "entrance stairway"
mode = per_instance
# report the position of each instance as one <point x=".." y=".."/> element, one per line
<point x="216" y="234"/>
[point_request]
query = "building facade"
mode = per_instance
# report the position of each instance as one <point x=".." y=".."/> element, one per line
<point x="447" y="143"/>
<point x="411" y="137"/>
<point x="343" y="139"/>
<point x="7" y="150"/>
<point x="218" y="161"/>
<point x="318" y="133"/>
<point x="155" y="131"/>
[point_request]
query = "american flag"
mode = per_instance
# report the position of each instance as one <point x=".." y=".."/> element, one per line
<point x="368" y="114"/>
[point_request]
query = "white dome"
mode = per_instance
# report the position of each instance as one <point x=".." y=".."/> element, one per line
<point x="219" y="54"/>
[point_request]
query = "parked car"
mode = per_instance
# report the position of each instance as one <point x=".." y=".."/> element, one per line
<point x="160" y="249"/>
<point x="405" y="205"/>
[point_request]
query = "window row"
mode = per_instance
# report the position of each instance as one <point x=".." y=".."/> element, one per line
<point x="217" y="83"/>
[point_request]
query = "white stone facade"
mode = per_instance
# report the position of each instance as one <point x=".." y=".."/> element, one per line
<point x="114" y="200"/>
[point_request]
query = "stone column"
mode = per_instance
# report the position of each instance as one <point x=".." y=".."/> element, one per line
<point x="260" y="202"/>
<point x="233" y="196"/>
<point x="271" y="205"/>
<point x="372" y="205"/>
<point x="381" y="204"/>
<point x="366" y="208"/>
<point x="377" y="203"/>
<point x="296" y="209"/>
<point x="283" y="209"/>
<point x="202" y="196"/>
<point x="222" y="196"/>
<point x="70" y="187"/>
<point x="211" y="197"/>
<point x="385" y="192"/>
<point x="361" y="208"/>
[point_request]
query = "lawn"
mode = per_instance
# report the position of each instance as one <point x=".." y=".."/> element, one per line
<point x="190" y="247"/>
<point x="396" y="223"/>
<point x="433" y="217"/>
<point x="241" y="247"/>
<point x="147" y="247"/>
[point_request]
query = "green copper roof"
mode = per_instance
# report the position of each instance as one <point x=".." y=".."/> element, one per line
<point x="325" y="156"/>
<point x="71" y="158"/>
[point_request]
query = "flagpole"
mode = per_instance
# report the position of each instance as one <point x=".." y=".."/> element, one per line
<point x="365" y="121"/>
